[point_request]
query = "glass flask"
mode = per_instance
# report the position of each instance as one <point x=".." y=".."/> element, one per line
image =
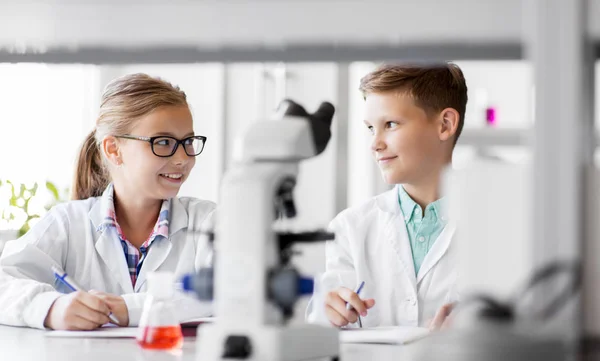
<point x="159" y="327"/>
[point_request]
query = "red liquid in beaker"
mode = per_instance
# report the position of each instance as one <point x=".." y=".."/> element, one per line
<point x="161" y="338"/>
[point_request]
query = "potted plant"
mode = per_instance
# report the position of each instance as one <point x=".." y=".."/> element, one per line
<point x="22" y="204"/>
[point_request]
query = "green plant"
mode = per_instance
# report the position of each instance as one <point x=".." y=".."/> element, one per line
<point x="19" y="212"/>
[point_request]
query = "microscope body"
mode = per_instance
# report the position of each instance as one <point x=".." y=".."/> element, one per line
<point x="254" y="286"/>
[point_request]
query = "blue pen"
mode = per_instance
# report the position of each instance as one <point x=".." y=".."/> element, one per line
<point x="69" y="282"/>
<point x="349" y="306"/>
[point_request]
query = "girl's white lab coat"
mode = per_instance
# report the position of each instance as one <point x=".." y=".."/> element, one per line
<point x="372" y="245"/>
<point x="66" y="237"/>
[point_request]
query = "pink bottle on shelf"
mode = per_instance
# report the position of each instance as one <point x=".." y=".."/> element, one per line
<point x="490" y="116"/>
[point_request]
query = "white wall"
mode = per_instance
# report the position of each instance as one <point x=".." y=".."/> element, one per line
<point x="364" y="178"/>
<point x="508" y="87"/>
<point x="45" y="113"/>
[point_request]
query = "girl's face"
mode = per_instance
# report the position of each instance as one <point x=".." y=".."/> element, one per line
<point x="146" y="175"/>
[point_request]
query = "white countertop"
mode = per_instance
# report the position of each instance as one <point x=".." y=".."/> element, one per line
<point x="20" y="344"/>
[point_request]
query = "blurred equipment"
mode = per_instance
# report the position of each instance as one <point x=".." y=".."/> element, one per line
<point x="499" y="318"/>
<point x="521" y="219"/>
<point x="488" y="328"/>
<point x="255" y="287"/>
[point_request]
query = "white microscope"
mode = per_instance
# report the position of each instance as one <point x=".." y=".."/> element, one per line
<point x="255" y="288"/>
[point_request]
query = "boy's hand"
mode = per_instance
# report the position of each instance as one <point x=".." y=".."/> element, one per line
<point x="442" y="318"/>
<point x="77" y="311"/>
<point x="117" y="306"/>
<point x="335" y="306"/>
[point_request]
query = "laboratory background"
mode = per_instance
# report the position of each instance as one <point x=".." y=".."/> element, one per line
<point x="525" y="164"/>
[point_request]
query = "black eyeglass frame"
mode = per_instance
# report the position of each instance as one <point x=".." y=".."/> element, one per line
<point x="177" y="143"/>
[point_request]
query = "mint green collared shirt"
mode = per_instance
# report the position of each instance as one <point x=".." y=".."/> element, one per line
<point x="422" y="229"/>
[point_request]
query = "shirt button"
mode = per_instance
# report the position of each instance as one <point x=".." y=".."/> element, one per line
<point x="421" y="239"/>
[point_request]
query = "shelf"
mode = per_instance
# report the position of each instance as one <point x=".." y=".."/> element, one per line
<point x="126" y="31"/>
<point x="288" y="54"/>
<point x="63" y="31"/>
<point x="259" y="24"/>
<point x="481" y="137"/>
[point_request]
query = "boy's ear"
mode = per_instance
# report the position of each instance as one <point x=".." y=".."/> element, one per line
<point x="110" y="147"/>
<point x="449" y="119"/>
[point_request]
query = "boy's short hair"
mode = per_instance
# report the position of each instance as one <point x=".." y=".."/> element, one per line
<point x="433" y="88"/>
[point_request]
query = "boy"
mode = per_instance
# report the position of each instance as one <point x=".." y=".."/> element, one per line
<point x="399" y="242"/>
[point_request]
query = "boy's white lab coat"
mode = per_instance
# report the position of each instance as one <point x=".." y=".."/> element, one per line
<point x="66" y="237"/>
<point x="372" y="245"/>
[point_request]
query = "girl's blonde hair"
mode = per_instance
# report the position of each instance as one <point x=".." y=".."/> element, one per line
<point x="125" y="100"/>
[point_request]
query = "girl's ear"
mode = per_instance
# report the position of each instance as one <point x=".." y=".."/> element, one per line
<point x="110" y="147"/>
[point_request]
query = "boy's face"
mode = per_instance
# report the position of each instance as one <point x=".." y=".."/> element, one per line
<point x="405" y="143"/>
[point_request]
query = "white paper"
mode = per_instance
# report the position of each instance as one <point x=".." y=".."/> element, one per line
<point x="198" y="320"/>
<point x="102" y="332"/>
<point x="387" y="335"/>
<point x="111" y="331"/>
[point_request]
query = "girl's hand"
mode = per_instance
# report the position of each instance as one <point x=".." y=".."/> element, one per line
<point x="77" y="311"/>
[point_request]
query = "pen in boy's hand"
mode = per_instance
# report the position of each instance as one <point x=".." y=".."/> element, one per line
<point x="360" y="287"/>
<point x="349" y="306"/>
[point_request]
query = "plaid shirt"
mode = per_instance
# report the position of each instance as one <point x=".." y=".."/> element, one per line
<point x="134" y="257"/>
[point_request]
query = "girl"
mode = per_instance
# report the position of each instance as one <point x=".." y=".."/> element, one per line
<point x="124" y="222"/>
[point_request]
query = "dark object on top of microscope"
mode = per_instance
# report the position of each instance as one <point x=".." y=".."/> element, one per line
<point x="320" y="121"/>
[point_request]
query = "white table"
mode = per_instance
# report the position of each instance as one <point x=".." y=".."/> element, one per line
<point x="20" y="344"/>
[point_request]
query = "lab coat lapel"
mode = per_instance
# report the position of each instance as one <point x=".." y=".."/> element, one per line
<point x="160" y="248"/>
<point x="157" y="254"/>
<point x="395" y="232"/>
<point x="110" y="250"/>
<point x="437" y="251"/>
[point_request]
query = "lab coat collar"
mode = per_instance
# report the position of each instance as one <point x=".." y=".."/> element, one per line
<point x="159" y="251"/>
<point x="157" y="254"/>
<point x="437" y="251"/>
<point x="179" y="217"/>
<point x="109" y="248"/>
<point x="398" y="236"/>
<point x="388" y="201"/>
<point x="408" y="205"/>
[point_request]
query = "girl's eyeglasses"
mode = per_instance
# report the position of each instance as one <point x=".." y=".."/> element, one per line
<point x="165" y="146"/>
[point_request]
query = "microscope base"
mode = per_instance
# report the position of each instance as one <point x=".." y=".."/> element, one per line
<point x="266" y="343"/>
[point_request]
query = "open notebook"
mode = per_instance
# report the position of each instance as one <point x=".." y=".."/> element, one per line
<point x="111" y="331"/>
<point x="387" y="335"/>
